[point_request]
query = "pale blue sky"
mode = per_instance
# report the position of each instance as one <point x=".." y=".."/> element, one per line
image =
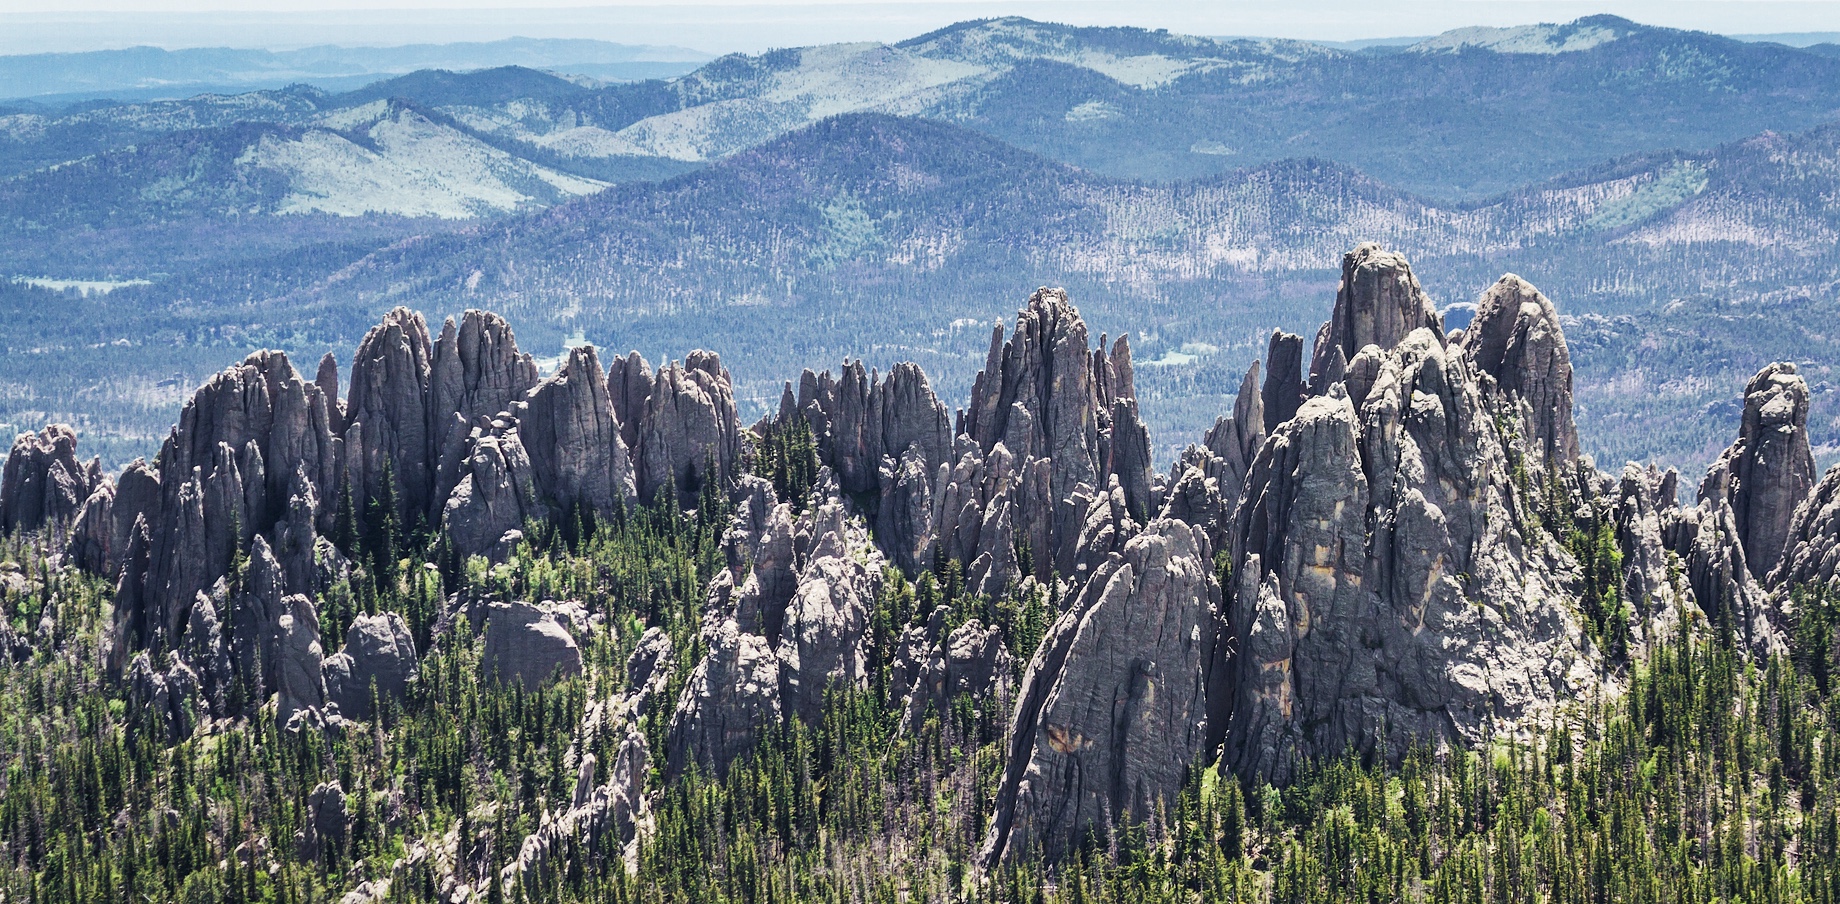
<point x="65" y="25"/>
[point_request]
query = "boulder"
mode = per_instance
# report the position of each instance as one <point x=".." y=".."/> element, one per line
<point x="378" y="657"/>
<point x="527" y="644"/>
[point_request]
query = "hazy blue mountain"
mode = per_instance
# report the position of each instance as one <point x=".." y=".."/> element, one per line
<point x="902" y="239"/>
<point x="138" y="73"/>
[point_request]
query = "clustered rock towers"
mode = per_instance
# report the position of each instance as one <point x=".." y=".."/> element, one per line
<point x="1385" y="521"/>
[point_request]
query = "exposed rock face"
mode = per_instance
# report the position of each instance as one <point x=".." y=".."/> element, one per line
<point x="1112" y="713"/>
<point x="300" y="684"/>
<point x="1379" y="302"/>
<point x="327" y="824"/>
<point x="629" y="383"/>
<point x="476" y="372"/>
<point x="568" y="429"/>
<point x="731" y="697"/>
<point x="378" y="653"/>
<point x="388" y="414"/>
<point x="99" y="538"/>
<point x="787" y="622"/>
<point x="861" y="419"/>
<point x="171" y="697"/>
<point x="689" y="426"/>
<point x="970" y="662"/>
<point x="1812" y="552"/>
<point x="526" y="643"/>
<point x="1385" y="591"/>
<point x="1515" y="337"/>
<point x="43" y="482"/>
<point x="245" y="446"/>
<point x="1711" y="550"/>
<point x="1284" y="388"/>
<point x="1770" y="469"/>
<point x="496" y="494"/>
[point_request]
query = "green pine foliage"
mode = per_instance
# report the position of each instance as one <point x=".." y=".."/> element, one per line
<point x="1713" y="778"/>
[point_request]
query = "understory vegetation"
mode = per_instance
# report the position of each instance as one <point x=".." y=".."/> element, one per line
<point x="1713" y="778"/>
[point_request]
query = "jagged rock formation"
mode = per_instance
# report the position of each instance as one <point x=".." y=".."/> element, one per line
<point x="99" y="538"/>
<point x="1811" y="554"/>
<point x="1769" y="470"/>
<point x="788" y="621"/>
<point x="1378" y="303"/>
<point x="387" y="437"/>
<point x="249" y="444"/>
<point x="1386" y="587"/>
<point x="327" y="824"/>
<point x="527" y="644"/>
<point x="1515" y="338"/>
<point x="933" y="668"/>
<point x="1113" y="711"/>
<point x="689" y="434"/>
<point x="576" y="454"/>
<point x="43" y="482"/>
<point x="477" y="371"/>
<point x="605" y="819"/>
<point x="1399" y="529"/>
<point x="378" y="658"/>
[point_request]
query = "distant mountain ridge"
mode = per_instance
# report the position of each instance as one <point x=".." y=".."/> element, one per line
<point x="1127" y="102"/>
<point x="149" y="72"/>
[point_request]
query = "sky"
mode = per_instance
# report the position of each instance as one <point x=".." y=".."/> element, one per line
<point x="28" y="26"/>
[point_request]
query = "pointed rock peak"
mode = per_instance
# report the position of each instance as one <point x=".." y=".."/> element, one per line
<point x="1767" y="473"/>
<point x="1379" y="302"/>
<point x="327" y="379"/>
<point x="1283" y="390"/>
<point x="629" y="381"/>
<point x="1516" y="338"/>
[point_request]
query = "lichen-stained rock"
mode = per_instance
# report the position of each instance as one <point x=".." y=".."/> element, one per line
<point x="496" y="494"/>
<point x="475" y="372"/>
<point x="1769" y="470"/>
<point x="1379" y="302"/>
<point x="689" y="426"/>
<point x="1111" y="716"/>
<point x="43" y="482"/>
<point x="1515" y="337"/>
<point x="387" y="414"/>
<point x="729" y="701"/>
<point x="527" y="644"/>
<point x="1386" y="592"/>
<point x="1812" y="552"/>
<point x="569" y="431"/>
<point x="379" y="654"/>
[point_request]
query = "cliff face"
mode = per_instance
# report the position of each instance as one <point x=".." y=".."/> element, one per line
<point x="1400" y="546"/>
